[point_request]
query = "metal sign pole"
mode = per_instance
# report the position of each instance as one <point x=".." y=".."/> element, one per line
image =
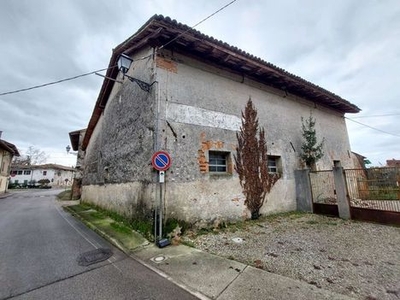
<point x="155" y="222"/>
<point x="161" y="161"/>
<point x="161" y="207"/>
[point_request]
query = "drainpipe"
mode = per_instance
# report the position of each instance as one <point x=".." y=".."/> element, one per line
<point x="156" y="138"/>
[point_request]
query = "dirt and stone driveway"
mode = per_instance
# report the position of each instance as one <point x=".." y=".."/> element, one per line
<point x="361" y="260"/>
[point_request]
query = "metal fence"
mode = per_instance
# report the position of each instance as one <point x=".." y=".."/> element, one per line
<point x="374" y="188"/>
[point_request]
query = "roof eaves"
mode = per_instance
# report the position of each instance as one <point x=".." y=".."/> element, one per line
<point x="158" y="25"/>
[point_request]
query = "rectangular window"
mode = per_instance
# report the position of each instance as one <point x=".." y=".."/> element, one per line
<point x="218" y="161"/>
<point x="19" y="172"/>
<point x="14" y="172"/>
<point x="273" y="164"/>
<point x="44" y="173"/>
<point x="27" y="172"/>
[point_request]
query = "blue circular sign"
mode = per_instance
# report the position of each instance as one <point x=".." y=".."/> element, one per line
<point x="161" y="161"/>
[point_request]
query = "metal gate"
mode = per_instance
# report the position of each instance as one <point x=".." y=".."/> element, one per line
<point x="374" y="194"/>
<point x="323" y="193"/>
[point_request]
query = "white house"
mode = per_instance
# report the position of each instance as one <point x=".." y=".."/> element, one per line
<point x="26" y="175"/>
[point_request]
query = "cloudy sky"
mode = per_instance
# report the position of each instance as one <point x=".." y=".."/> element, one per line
<point x="349" y="47"/>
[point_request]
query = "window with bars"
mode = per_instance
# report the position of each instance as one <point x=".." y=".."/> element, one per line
<point x="218" y="161"/>
<point x="273" y="164"/>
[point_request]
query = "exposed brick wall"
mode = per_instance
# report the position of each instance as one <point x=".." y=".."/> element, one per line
<point x="207" y="145"/>
<point x="167" y="64"/>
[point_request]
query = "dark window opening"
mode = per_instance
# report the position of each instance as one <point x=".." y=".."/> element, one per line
<point x="273" y="164"/>
<point x="218" y="161"/>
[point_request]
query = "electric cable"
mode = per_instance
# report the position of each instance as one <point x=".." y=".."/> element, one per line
<point x="93" y="72"/>
<point x="376" y="116"/>
<point x="389" y="133"/>
<point x="54" y="82"/>
<point x="197" y="24"/>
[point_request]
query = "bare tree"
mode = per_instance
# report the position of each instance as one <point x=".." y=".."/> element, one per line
<point x="252" y="162"/>
<point x="32" y="156"/>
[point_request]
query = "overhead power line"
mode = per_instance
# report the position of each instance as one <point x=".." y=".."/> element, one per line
<point x="197" y="24"/>
<point x="93" y="72"/>
<point x="376" y="116"/>
<point x="389" y="133"/>
<point x="52" y="83"/>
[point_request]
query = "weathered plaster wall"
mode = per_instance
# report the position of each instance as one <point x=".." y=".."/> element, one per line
<point x="195" y="108"/>
<point x="201" y="111"/>
<point x="5" y="163"/>
<point x="120" y="149"/>
<point x="128" y="199"/>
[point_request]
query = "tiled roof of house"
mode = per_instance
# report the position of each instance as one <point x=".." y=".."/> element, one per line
<point x="9" y="147"/>
<point x="42" y="167"/>
<point x="393" y="162"/>
<point x="160" y="31"/>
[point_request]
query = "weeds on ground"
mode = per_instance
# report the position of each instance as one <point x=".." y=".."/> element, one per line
<point x="79" y="207"/>
<point x="121" y="228"/>
<point x="65" y="195"/>
<point x="143" y="226"/>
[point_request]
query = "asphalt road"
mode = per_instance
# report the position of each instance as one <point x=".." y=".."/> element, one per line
<point x="39" y="249"/>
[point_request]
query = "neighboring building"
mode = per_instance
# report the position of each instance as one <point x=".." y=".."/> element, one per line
<point x="199" y="87"/>
<point x="393" y="163"/>
<point x="26" y="175"/>
<point x="358" y="160"/>
<point x="76" y="138"/>
<point x="7" y="152"/>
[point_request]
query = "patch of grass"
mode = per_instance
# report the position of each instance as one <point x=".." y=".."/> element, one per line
<point x="79" y="208"/>
<point x="142" y="225"/>
<point x="188" y="243"/>
<point x="122" y="232"/>
<point x="290" y="215"/>
<point x="65" y="195"/>
<point x="145" y="227"/>
<point x="92" y="216"/>
<point x="172" y="223"/>
<point x="121" y="228"/>
<point x="203" y="231"/>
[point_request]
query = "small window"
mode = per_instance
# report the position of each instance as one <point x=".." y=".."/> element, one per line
<point x="19" y="172"/>
<point x="273" y="164"/>
<point x="27" y="172"/>
<point x="14" y="172"/>
<point x="218" y="161"/>
<point x="44" y="173"/>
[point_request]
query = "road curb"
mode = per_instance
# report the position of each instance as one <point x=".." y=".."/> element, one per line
<point x="131" y="254"/>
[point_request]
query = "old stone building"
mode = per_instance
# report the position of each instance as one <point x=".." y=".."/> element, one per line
<point x="188" y="102"/>
<point x="7" y="152"/>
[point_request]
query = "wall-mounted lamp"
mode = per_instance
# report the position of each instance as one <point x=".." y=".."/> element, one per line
<point x="124" y="63"/>
<point x="68" y="148"/>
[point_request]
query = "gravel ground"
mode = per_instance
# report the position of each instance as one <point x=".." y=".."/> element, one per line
<point x="357" y="259"/>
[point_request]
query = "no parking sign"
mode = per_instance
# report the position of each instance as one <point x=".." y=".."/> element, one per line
<point x="161" y="161"/>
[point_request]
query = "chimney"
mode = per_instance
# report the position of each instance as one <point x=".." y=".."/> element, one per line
<point x="0" y="134"/>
